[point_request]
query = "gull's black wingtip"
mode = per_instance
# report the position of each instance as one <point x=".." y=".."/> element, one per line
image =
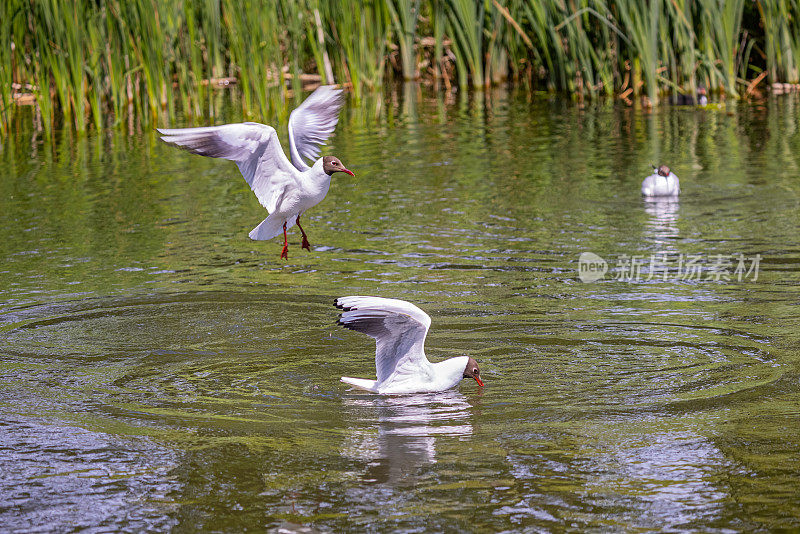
<point x="341" y="306"/>
<point x="349" y="326"/>
<point x="342" y="323"/>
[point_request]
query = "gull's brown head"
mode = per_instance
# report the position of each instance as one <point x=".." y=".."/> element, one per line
<point x="663" y="170"/>
<point x="331" y="164"/>
<point x="472" y="371"/>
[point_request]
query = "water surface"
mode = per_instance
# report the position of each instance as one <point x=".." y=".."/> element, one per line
<point x="159" y="370"/>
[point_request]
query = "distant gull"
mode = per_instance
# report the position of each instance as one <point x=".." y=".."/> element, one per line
<point x="662" y="183"/>
<point x="700" y="98"/>
<point x="285" y="189"/>
<point x="399" y="329"/>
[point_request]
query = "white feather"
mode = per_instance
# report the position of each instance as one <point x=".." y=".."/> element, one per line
<point x="656" y="185"/>
<point x="399" y="329"/>
<point x="284" y="189"/>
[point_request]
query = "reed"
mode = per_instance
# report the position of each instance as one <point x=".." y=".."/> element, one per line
<point x="682" y="51"/>
<point x="404" y="16"/>
<point x="8" y="13"/>
<point x="95" y="64"/>
<point x="793" y="38"/>
<point x="466" y="20"/>
<point x="781" y="38"/>
<point x="721" y="29"/>
<point x="438" y="23"/>
<point x="641" y="24"/>
<point x="363" y="34"/>
<point x="254" y="55"/>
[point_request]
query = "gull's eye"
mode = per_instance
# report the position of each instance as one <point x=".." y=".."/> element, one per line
<point x="475" y="371"/>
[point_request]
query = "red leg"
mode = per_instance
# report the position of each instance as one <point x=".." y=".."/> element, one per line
<point x="306" y="245"/>
<point x="285" y="251"/>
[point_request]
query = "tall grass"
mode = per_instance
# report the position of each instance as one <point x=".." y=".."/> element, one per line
<point x="682" y="47"/>
<point x="405" y="15"/>
<point x="363" y="35"/>
<point x="7" y="16"/>
<point x="99" y="63"/>
<point x="641" y="24"/>
<point x="721" y="26"/>
<point x="255" y="56"/>
<point x="465" y="18"/>
<point x="781" y="38"/>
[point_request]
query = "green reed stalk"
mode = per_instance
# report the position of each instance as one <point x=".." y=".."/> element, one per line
<point x="684" y="62"/>
<point x="52" y="57"/>
<point x="212" y="30"/>
<point x="69" y="24"/>
<point x="779" y="40"/>
<point x="547" y="47"/>
<point x="293" y="44"/>
<point x="254" y="49"/>
<point x="317" y="42"/>
<point x="721" y="23"/>
<point x="404" y="16"/>
<point x="114" y="68"/>
<point x="150" y="59"/>
<point x="793" y="36"/>
<point x="195" y="94"/>
<point x="147" y="42"/>
<point x="466" y="19"/>
<point x="580" y="53"/>
<point x="362" y="35"/>
<point x="496" y="66"/>
<point x="438" y="25"/>
<point x="640" y="22"/>
<point x="373" y="36"/>
<point x="8" y="11"/>
<point x="94" y="37"/>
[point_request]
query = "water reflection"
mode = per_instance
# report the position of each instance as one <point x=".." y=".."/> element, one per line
<point x="644" y="477"/>
<point x="662" y="227"/>
<point x="664" y="476"/>
<point x="55" y="474"/>
<point x="411" y="97"/>
<point x="397" y="435"/>
<point x="132" y="304"/>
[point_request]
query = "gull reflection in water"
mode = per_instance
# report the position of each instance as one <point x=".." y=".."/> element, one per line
<point x="662" y="227"/>
<point x="395" y="435"/>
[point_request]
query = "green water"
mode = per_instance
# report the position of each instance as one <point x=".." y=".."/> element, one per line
<point x="160" y="371"/>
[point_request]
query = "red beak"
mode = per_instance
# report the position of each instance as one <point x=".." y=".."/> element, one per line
<point x="478" y="380"/>
<point x="348" y="172"/>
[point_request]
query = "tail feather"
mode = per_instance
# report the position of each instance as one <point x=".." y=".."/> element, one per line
<point x="271" y="226"/>
<point x="361" y="383"/>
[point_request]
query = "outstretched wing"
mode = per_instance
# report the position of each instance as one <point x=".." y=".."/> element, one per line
<point x="399" y="329"/>
<point x="254" y="147"/>
<point x="312" y="123"/>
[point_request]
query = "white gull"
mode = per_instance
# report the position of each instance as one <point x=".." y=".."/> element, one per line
<point x="285" y="189"/>
<point x="662" y="183"/>
<point x="399" y="329"/>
